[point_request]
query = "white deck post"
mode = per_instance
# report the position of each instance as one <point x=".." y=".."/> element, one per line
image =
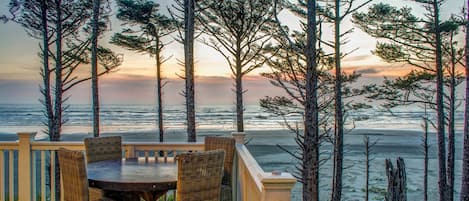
<point x="277" y="187"/>
<point x="239" y="137"/>
<point x="236" y="183"/>
<point x="24" y="165"/>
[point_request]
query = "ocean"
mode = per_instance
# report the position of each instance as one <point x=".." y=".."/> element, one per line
<point x="134" y="118"/>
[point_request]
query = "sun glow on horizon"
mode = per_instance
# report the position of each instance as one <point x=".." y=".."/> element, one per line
<point x="19" y="57"/>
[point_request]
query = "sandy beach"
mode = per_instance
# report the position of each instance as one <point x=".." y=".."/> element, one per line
<point x="263" y="145"/>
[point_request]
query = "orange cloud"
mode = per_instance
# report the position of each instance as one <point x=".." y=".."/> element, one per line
<point x="380" y="70"/>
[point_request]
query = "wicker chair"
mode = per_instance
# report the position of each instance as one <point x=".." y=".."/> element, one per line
<point x="227" y="144"/>
<point x="199" y="176"/>
<point x="103" y="148"/>
<point x="74" y="179"/>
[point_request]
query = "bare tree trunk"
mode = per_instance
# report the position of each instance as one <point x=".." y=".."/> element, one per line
<point x="310" y="169"/>
<point x="239" y="98"/>
<point x="442" y="180"/>
<point x="94" y="67"/>
<point x="425" y="158"/>
<point x="58" y="75"/>
<point x="46" y="73"/>
<point x="189" y="6"/>
<point x="58" y="91"/>
<point x="396" y="181"/>
<point x="46" y="92"/>
<point x="159" y="93"/>
<point x="366" y="141"/>
<point x="465" y="163"/>
<point x="339" y="133"/>
<point x="451" y="135"/>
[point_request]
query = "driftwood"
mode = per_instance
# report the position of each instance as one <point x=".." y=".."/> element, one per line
<point x="396" y="181"/>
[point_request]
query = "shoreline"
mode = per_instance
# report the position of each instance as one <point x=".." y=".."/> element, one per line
<point x="179" y="134"/>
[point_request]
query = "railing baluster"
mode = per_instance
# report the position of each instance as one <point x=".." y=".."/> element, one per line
<point x="43" y="175"/>
<point x="11" y="174"/>
<point x="33" y="164"/>
<point x="156" y="155"/>
<point x="52" y="176"/>
<point x="2" y="175"/>
<point x="174" y="156"/>
<point x="146" y="156"/>
<point x="165" y="156"/>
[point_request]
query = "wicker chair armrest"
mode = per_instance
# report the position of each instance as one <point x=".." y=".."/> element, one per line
<point x="96" y="194"/>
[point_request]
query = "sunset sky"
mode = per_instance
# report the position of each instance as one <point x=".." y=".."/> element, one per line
<point x="134" y="82"/>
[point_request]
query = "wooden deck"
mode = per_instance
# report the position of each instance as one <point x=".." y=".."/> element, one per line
<point x="33" y="175"/>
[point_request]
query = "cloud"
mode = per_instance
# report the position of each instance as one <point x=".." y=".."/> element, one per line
<point x="357" y="58"/>
<point x="381" y="70"/>
<point x="365" y="71"/>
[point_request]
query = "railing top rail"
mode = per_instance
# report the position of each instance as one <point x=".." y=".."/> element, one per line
<point x="143" y="146"/>
<point x="165" y="143"/>
<point x="13" y="145"/>
<point x="51" y="145"/>
<point x="78" y="145"/>
<point x="261" y="178"/>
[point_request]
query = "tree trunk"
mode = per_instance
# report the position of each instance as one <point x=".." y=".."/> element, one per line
<point x="442" y="181"/>
<point x="451" y="135"/>
<point x="239" y="97"/>
<point x="159" y="90"/>
<point x="465" y="163"/>
<point x="58" y="75"/>
<point x="189" y="6"/>
<point x="366" y="141"/>
<point x="425" y="159"/>
<point x="339" y="133"/>
<point x="46" y="92"/>
<point x="58" y="90"/>
<point x="396" y="181"/>
<point x="310" y="160"/>
<point x="94" y="67"/>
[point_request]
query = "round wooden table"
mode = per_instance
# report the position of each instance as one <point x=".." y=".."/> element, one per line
<point x="149" y="180"/>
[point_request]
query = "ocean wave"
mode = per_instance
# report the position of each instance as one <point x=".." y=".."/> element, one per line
<point x="138" y="117"/>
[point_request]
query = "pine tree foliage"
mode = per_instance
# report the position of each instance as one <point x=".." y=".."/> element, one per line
<point x="426" y="44"/>
<point x="238" y="30"/>
<point x="309" y="85"/>
<point x="335" y="14"/>
<point x="64" y="29"/>
<point x="144" y="33"/>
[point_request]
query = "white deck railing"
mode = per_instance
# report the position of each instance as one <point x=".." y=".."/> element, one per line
<point x="25" y="166"/>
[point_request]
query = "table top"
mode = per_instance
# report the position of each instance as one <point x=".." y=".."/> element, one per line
<point x="132" y="175"/>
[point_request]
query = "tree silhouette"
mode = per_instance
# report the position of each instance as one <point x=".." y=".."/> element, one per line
<point x="288" y="61"/>
<point x="239" y="30"/>
<point x="465" y="163"/>
<point x="419" y="42"/>
<point x="336" y="17"/>
<point x="147" y="38"/>
<point x="184" y="12"/>
<point x="65" y="47"/>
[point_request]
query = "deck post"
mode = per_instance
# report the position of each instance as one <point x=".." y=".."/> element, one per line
<point x="236" y="183"/>
<point x="129" y="151"/>
<point x="277" y="187"/>
<point x="24" y="165"/>
<point x="239" y="137"/>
